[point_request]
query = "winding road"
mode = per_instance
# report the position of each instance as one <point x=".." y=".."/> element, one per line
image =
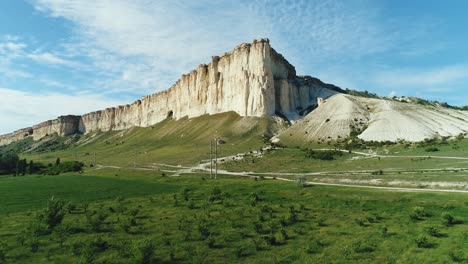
<point x="205" y="167"/>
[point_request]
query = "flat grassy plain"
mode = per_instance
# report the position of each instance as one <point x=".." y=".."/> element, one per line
<point x="194" y="219"/>
<point x="414" y="169"/>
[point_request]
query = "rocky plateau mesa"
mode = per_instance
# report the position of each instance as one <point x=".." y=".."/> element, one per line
<point x="253" y="80"/>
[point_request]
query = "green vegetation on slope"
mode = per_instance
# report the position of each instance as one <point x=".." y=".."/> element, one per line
<point x="185" y="142"/>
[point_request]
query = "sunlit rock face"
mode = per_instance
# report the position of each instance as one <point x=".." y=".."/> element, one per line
<point x="251" y="80"/>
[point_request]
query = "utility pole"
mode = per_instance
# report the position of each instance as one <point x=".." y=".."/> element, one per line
<point x="94" y="153"/>
<point x="211" y="159"/>
<point x="216" y="158"/>
<point x="134" y="161"/>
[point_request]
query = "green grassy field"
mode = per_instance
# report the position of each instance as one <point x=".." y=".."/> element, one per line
<point x="121" y="214"/>
<point x="31" y="192"/>
<point x="193" y="219"/>
<point x="356" y="167"/>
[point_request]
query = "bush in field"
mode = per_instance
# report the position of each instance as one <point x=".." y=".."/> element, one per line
<point x="61" y="233"/>
<point x="216" y="194"/>
<point x="88" y="254"/>
<point x="433" y="231"/>
<point x="254" y="199"/>
<point x="185" y="193"/>
<point x="96" y="219"/>
<point x="322" y="155"/>
<point x="2" y="254"/>
<point x="71" y="207"/>
<point x="54" y="213"/>
<point x="432" y="149"/>
<point x="422" y="242"/>
<point x="448" y="219"/>
<point x="457" y="255"/>
<point x="314" y="247"/>
<point x="242" y="251"/>
<point x="143" y="251"/>
<point x="67" y="166"/>
<point x="37" y="228"/>
<point x="418" y="213"/>
<point x="34" y="245"/>
<point x="364" y="247"/>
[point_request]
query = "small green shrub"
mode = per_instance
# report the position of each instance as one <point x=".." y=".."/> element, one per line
<point x="88" y="254"/>
<point x="2" y="254"/>
<point x="322" y="155"/>
<point x="432" y="149"/>
<point x="144" y="251"/>
<point x="314" y="247"/>
<point x="447" y="219"/>
<point x="364" y="247"/>
<point x="242" y="251"/>
<point x="96" y="219"/>
<point x="254" y="199"/>
<point x="34" y="245"/>
<point x="418" y="213"/>
<point x="422" y="242"/>
<point x="457" y="255"/>
<point x="216" y="194"/>
<point x="434" y="231"/>
<point x="54" y="213"/>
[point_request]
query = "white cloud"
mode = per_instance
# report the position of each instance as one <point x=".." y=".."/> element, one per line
<point x="146" y="45"/>
<point x="49" y="58"/>
<point x="423" y="78"/>
<point x="11" y="47"/>
<point x="20" y="109"/>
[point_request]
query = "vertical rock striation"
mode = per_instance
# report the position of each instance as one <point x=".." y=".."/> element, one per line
<point x="251" y="80"/>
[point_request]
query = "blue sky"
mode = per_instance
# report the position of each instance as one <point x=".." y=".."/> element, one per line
<point x="75" y="56"/>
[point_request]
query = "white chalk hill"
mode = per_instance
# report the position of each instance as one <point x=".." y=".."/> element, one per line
<point x="378" y="120"/>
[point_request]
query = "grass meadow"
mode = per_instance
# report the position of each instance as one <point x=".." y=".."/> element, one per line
<point x="126" y="216"/>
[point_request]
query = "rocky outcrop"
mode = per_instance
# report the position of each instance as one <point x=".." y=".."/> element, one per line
<point x="251" y="80"/>
<point x="62" y="126"/>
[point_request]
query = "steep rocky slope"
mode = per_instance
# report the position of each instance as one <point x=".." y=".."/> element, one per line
<point x="376" y="119"/>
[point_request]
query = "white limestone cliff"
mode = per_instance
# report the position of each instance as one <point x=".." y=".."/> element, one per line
<point x="251" y="80"/>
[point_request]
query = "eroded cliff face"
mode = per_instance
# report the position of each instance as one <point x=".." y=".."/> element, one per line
<point x="62" y="126"/>
<point x="251" y="80"/>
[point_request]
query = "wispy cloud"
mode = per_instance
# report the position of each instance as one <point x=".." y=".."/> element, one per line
<point x="49" y="58"/>
<point x="153" y="42"/>
<point x="36" y="107"/>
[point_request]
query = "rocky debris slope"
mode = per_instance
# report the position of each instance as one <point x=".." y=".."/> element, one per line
<point x="334" y="119"/>
<point x="341" y="116"/>
<point x="395" y="121"/>
<point x="251" y="80"/>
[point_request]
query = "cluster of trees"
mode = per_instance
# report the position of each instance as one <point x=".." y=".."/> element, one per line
<point x="322" y="155"/>
<point x="8" y="163"/>
<point x="11" y="164"/>
<point x="67" y="166"/>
